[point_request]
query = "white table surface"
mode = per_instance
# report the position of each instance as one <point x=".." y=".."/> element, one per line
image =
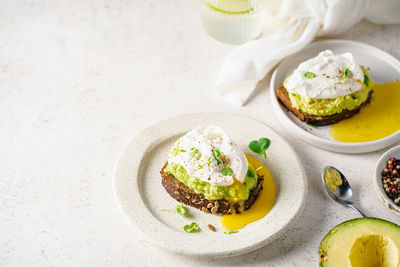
<point x="78" y="79"/>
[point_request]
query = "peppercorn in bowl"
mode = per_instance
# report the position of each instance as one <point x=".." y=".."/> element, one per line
<point x="387" y="179"/>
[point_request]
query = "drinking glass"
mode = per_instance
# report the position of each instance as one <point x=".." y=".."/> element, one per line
<point x="233" y="21"/>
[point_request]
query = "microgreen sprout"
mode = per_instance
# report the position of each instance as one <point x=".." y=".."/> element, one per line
<point x="209" y="161"/>
<point x="250" y="173"/>
<point x="168" y="209"/>
<point x="216" y="154"/>
<point x="199" y="167"/>
<point x="260" y="146"/>
<point x="194" y="152"/>
<point x="191" y="228"/>
<point x="231" y="232"/>
<point x="181" y="210"/>
<point x="345" y="73"/>
<point x="182" y="150"/>
<point x="227" y="171"/>
<point x="309" y="75"/>
<point x="366" y="80"/>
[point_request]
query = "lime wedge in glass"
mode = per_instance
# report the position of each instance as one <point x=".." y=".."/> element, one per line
<point x="231" y="6"/>
<point x="233" y="21"/>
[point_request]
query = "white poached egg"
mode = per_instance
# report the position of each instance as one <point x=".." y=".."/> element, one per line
<point x="325" y="78"/>
<point x="196" y="155"/>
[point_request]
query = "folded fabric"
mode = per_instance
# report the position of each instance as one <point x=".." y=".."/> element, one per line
<point x="291" y="27"/>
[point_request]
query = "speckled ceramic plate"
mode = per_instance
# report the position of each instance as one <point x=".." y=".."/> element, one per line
<point x="382" y="67"/>
<point x="380" y="166"/>
<point x="145" y="203"/>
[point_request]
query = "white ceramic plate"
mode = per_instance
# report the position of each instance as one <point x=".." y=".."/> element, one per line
<point x="142" y="198"/>
<point x="382" y="68"/>
<point x="380" y="166"/>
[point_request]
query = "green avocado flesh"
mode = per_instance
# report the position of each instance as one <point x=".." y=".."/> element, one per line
<point x="235" y="193"/>
<point x="331" y="106"/>
<point x="363" y="242"/>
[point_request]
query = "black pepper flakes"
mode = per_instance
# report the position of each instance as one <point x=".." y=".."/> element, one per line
<point x="391" y="180"/>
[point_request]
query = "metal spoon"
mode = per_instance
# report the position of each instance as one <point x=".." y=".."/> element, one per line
<point x="338" y="188"/>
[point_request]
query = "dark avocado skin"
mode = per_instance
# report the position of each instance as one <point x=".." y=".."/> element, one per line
<point x="322" y="261"/>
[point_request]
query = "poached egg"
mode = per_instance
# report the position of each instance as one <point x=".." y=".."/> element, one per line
<point x="322" y="77"/>
<point x="196" y="152"/>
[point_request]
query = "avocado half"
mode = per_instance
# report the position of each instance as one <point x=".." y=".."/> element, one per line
<point x="362" y="242"/>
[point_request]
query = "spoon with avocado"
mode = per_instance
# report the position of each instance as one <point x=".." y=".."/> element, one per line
<point x="338" y="188"/>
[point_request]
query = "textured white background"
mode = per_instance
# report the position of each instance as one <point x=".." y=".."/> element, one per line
<point x="77" y="80"/>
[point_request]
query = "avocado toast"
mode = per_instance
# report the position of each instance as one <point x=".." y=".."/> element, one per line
<point x="207" y="171"/>
<point x="180" y="192"/>
<point x="326" y="89"/>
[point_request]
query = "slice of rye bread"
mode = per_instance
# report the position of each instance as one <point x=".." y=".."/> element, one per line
<point x="283" y="97"/>
<point x="185" y="195"/>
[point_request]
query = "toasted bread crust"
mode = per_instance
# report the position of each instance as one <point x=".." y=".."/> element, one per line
<point x="283" y="97"/>
<point x="185" y="195"/>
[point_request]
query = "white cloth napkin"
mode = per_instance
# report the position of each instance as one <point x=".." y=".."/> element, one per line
<point x="291" y="27"/>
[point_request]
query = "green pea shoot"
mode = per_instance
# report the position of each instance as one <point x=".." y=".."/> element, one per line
<point x="227" y="171"/>
<point x="181" y="210"/>
<point x="366" y="80"/>
<point x="191" y="228"/>
<point x="345" y="73"/>
<point x="309" y="75"/>
<point x="260" y="146"/>
<point x="194" y="152"/>
<point x="250" y="173"/>
<point x="216" y="154"/>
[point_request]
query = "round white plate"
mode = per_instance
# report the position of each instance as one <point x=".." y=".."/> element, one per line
<point x="382" y="68"/>
<point x="143" y="200"/>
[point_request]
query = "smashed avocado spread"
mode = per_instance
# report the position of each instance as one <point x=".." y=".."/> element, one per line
<point x="331" y="106"/>
<point x="235" y="192"/>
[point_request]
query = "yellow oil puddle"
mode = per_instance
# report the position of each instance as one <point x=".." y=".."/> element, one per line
<point x="377" y="120"/>
<point x="260" y="207"/>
